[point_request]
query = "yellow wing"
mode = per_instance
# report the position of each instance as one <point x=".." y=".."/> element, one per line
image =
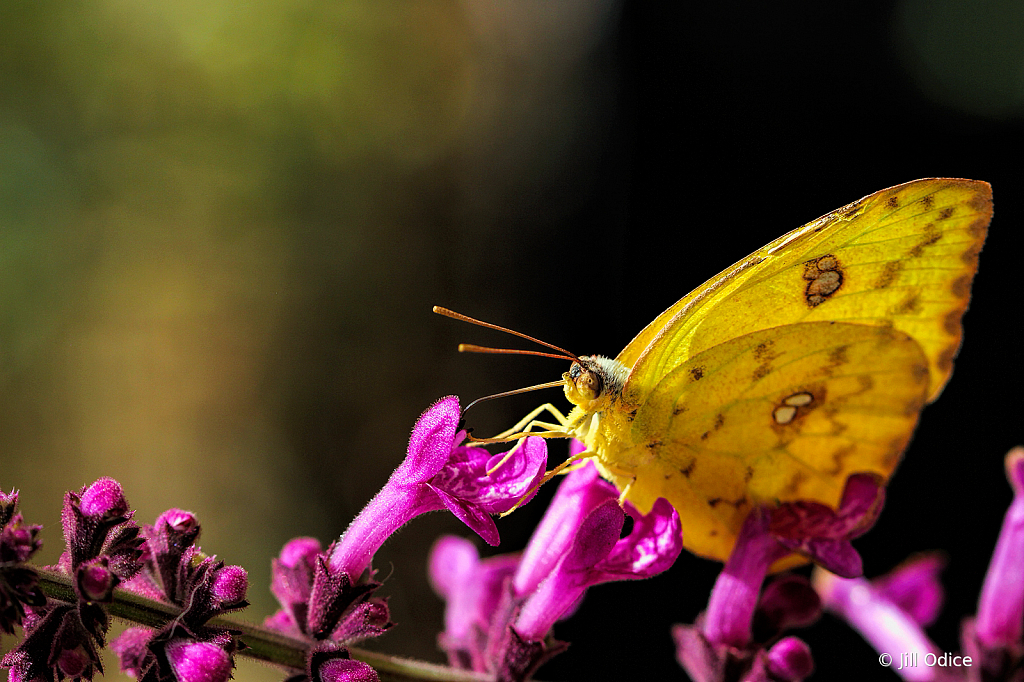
<point x="903" y="257"/>
<point x="779" y="414"/>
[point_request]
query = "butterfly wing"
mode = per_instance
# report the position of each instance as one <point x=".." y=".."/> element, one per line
<point x="903" y="258"/>
<point x="779" y="414"/>
<point x="805" y="362"/>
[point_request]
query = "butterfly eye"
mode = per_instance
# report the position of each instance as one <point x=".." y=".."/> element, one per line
<point x="589" y="384"/>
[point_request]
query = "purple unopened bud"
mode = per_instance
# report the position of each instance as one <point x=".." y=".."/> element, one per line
<point x="18" y="540"/>
<point x="179" y="520"/>
<point x="346" y="670"/>
<point x="95" y="581"/>
<point x="104" y="498"/>
<point x="229" y="585"/>
<point x="8" y="506"/>
<point x="194" y="661"/>
<point x="790" y="660"/>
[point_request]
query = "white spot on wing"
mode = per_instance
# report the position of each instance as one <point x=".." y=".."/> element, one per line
<point x="784" y="414"/>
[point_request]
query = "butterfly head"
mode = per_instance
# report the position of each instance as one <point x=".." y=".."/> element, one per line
<point x="593" y="382"/>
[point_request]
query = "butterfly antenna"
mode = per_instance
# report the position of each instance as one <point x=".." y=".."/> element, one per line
<point x="470" y="348"/>
<point x="550" y="384"/>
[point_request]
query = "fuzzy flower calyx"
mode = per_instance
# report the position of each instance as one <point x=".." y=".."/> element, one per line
<point x="19" y="586"/>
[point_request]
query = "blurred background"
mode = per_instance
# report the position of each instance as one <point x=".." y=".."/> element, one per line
<point x="222" y="228"/>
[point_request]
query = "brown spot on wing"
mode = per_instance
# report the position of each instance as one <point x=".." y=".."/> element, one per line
<point x="888" y="275"/>
<point x="961" y="286"/>
<point x="719" y="421"/>
<point x="838" y="355"/>
<point x="789" y="412"/>
<point x="763" y="351"/>
<point x="946" y="213"/>
<point x="893" y="201"/>
<point x="970" y="256"/>
<point x="762" y="371"/>
<point x="910" y="304"/>
<point x="928" y="201"/>
<point x="824" y="276"/>
<point x="696" y="374"/>
<point x="981" y="202"/>
<point x="945" y="360"/>
<point x="689" y="468"/>
<point x="951" y="322"/>
<point x="930" y="236"/>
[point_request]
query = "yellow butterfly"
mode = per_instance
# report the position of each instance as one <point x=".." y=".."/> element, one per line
<point x="805" y="362"/>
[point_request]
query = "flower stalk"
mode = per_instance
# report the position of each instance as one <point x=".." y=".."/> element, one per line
<point x="261" y="643"/>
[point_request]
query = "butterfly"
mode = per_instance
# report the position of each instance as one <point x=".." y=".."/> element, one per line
<point x="803" y="363"/>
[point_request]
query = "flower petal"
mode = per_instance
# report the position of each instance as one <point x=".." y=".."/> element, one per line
<point x="470" y="514"/>
<point x="431" y="442"/>
<point x="651" y="548"/>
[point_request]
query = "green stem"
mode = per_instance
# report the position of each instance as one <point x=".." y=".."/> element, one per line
<point x="262" y="644"/>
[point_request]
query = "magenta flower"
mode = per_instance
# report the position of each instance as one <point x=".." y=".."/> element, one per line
<point x="320" y="605"/>
<point x="722" y="644"/>
<point x="1000" y="616"/>
<point x="473" y="589"/>
<point x="440" y="474"/>
<point x="498" y="622"/>
<point x="871" y="610"/>
<point x="890" y="613"/>
<point x="822" y="534"/>
<point x="596" y="555"/>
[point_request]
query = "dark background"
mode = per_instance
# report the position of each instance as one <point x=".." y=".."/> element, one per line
<point x="222" y="229"/>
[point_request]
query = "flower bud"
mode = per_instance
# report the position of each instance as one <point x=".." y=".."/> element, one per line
<point x="104" y="498"/>
<point x="194" y="661"/>
<point x="95" y="581"/>
<point x="230" y="584"/>
<point x="347" y="670"/>
<point x="790" y="659"/>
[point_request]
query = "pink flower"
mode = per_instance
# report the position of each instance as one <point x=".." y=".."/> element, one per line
<point x="440" y="474"/>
